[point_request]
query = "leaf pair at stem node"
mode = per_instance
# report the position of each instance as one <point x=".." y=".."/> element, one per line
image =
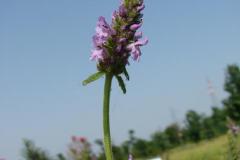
<point x="99" y="74"/>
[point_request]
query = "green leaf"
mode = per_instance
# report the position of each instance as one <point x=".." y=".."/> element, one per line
<point x="93" y="77"/>
<point x="121" y="84"/>
<point x="126" y="73"/>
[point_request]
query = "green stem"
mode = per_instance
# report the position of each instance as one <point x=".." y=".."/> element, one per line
<point x="106" y="122"/>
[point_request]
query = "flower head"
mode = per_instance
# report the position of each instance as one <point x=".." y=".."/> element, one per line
<point x="115" y="43"/>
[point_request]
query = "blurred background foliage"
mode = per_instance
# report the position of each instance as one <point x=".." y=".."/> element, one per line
<point x="201" y="136"/>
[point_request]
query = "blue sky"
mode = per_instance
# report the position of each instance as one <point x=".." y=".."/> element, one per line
<point x="44" y="56"/>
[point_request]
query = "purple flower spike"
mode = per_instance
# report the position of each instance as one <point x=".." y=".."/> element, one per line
<point x="115" y="43"/>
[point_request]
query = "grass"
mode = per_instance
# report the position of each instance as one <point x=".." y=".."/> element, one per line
<point x="216" y="149"/>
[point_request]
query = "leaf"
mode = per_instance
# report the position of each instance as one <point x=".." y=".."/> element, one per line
<point x="92" y="78"/>
<point x="121" y="84"/>
<point x="126" y="73"/>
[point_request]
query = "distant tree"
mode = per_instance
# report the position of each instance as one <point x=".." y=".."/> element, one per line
<point x="193" y="125"/>
<point x="61" y="157"/>
<point x="232" y="86"/>
<point x="161" y="141"/>
<point x="174" y="134"/>
<point x="31" y="152"/>
<point x="218" y="118"/>
<point x="99" y="142"/>
<point x="207" y="130"/>
<point x="125" y="148"/>
<point x="131" y="140"/>
<point x="118" y="153"/>
<point x="101" y="154"/>
<point x="143" y="148"/>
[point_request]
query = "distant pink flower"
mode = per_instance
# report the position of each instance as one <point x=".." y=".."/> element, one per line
<point x="130" y="157"/>
<point x="82" y="139"/>
<point x="74" y="138"/>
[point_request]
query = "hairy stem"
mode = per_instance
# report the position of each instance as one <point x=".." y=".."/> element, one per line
<point x="106" y="121"/>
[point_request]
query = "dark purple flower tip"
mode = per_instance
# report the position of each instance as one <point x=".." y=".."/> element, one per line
<point x="135" y="27"/>
<point x="102" y="22"/>
<point x="140" y="8"/>
<point x="124" y="27"/>
<point x="122" y="11"/>
<point x="103" y="28"/>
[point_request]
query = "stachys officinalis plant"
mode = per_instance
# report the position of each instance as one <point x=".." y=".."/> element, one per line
<point x="114" y="44"/>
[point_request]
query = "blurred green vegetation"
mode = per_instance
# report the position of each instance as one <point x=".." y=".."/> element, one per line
<point x="202" y="137"/>
<point x="215" y="149"/>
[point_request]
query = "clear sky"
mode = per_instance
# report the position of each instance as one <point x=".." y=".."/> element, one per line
<point x="44" y="55"/>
